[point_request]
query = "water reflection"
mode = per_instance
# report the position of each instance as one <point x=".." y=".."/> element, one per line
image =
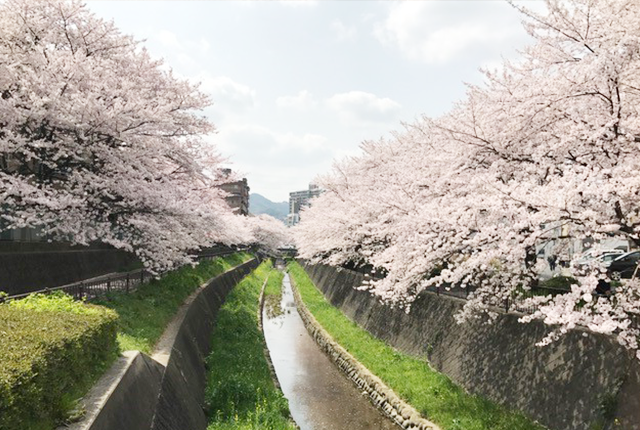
<point x="320" y="396"/>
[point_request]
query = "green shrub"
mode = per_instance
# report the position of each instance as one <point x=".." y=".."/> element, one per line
<point x="55" y="302"/>
<point x="560" y="283"/>
<point x="51" y="351"/>
<point x="52" y="348"/>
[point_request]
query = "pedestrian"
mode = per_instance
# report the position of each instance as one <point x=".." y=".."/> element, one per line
<point x="603" y="288"/>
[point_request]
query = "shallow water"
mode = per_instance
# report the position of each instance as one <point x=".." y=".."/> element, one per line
<point x="320" y="395"/>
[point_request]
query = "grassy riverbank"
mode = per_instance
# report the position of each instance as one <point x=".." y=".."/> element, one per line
<point x="433" y="394"/>
<point x="145" y="313"/>
<point x="241" y="394"/>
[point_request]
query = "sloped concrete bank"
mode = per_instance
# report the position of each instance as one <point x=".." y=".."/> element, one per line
<point x="166" y="391"/>
<point x="566" y="385"/>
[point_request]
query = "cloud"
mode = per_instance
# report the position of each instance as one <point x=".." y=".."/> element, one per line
<point x="279" y="162"/>
<point x="168" y="39"/>
<point x="303" y="101"/>
<point x="183" y="51"/>
<point x="204" y="45"/>
<point x="438" y="32"/>
<point x="257" y="141"/>
<point x="362" y="108"/>
<point x="343" y="32"/>
<point x="227" y="94"/>
<point x="299" y="3"/>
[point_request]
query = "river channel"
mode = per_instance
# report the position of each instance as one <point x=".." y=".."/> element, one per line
<point x="320" y="395"/>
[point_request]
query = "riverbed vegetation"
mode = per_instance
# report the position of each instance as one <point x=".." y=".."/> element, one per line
<point x="145" y="313"/>
<point x="432" y="393"/>
<point x="241" y="393"/>
<point x="273" y="294"/>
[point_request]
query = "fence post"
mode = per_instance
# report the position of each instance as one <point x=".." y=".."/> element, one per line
<point x="142" y="276"/>
<point x="108" y="285"/>
<point x="81" y="290"/>
<point x="127" y="284"/>
<point x="506" y="305"/>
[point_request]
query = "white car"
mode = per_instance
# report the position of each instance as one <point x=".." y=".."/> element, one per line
<point x="602" y="257"/>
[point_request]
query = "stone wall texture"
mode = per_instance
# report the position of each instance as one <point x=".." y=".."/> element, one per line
<point x="563" y="386"/>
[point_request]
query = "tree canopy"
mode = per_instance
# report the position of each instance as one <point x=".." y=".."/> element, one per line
<point x="549" y="140"/>
<point x="100" y="142"/>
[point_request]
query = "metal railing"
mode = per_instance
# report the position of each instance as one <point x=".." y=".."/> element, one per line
<point x="126" y="281"/>
<point x="90" y="288"/>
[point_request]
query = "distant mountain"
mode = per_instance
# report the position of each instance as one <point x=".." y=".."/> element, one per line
<point x="261" y="205"/>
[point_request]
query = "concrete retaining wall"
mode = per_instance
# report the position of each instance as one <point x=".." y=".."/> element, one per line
<point x="30" y="266"/>
<point x="563" y="386"/>
<point x="134" y="376"/>
<point x="181" y="400"/>
<point x="166" y="391"/>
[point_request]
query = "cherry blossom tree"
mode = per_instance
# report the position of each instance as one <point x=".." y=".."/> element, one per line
<point x="99" y="142"/>
<point x="267" y="232"/>
<point x="463" y="200"/>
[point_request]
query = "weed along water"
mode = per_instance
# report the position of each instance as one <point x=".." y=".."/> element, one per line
<point x="320" y="396"/>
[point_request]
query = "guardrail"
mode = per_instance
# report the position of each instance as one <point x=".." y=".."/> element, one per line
<point x="101" y="285"/>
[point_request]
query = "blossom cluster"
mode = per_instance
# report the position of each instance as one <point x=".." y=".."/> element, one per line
<point x="549" y="140"/>
<point x="100" y="142"/>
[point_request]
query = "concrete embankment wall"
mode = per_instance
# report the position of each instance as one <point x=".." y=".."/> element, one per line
<point x="564" y="385"/>
<point x="30" y="266"/>
<point x="166" y="391"/>
<point x="181" y="399"/>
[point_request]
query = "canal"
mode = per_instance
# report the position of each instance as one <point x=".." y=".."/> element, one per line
<point x="320" y="395"/>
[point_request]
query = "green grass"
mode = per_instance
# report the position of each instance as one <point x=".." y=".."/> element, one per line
<point x="145" y="313"/>
<point x="241" y="394"/>
<point x="273" y="294"/>
<point x="274" y="285"/>
<point x="433" y="394"/>
<point x="560" y="283"/>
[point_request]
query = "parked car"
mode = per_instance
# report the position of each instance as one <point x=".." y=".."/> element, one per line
<point x="602" y="255"/>
<point x="606" y="259"/>
<point x="624" y="266"/>
<point x="601" y="260"/>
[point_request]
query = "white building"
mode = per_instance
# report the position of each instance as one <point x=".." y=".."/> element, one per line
<point x="299" y="200"/>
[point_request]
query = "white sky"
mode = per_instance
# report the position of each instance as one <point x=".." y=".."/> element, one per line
<point x="296" y="84"/>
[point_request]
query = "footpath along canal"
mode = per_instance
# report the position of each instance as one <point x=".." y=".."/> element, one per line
<point x="320" y="396"/>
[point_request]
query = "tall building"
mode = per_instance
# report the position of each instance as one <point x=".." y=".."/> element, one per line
<point x="299" y="200"/>
<point x="238" y="198"/>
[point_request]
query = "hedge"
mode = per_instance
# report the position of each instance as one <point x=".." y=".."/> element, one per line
<point x="51" y="350"/>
